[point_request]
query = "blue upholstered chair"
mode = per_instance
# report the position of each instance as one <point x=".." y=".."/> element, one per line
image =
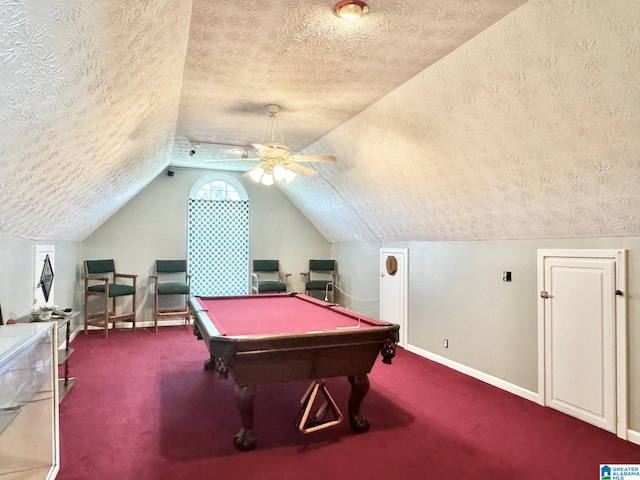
<point x="101" y="280"/>
<point x="266" y="277"/>
<point x="171" y="279"/>
<point x="321" y="277"/>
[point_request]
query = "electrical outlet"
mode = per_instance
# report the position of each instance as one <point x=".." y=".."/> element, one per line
<point x="446" y="343"/>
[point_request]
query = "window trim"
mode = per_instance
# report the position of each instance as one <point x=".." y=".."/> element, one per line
<point x="236" y="184"/>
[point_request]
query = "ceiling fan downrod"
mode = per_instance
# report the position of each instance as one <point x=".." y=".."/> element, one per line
<point x="272" y="125"/>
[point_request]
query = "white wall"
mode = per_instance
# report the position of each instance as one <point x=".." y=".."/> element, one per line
<point x="456" y="292"/>
<point x="456" y="289"/>
<point x="358" y="276"/>
<point x="16" y="278"/>
<point x="154" y="225"/>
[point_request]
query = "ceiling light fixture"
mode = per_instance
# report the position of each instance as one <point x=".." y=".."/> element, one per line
<point x="350" y="9"/>
<point x="268" y="172"/>
<point x="275" y="155"/>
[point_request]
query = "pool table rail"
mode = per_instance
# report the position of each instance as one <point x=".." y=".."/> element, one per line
<point x="279" y="358"/>
<point x="293" y="357"/>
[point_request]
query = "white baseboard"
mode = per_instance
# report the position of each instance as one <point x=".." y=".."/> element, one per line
<point x="143" y="324"/>
<point x="472" y="372"/>
<point x="74" y="333"/>
<point x="149" y="323"/>
<point x="632" y="435"/>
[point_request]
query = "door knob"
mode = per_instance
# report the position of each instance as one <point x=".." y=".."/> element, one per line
<point x="544" y="294"/>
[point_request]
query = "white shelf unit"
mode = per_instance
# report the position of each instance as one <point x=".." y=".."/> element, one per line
<point x="29" y="428"/>
<point x="65" y="382"/>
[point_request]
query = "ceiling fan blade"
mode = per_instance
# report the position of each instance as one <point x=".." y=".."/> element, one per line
<point x="295" y="168"/>
<point x="314" y="158"/>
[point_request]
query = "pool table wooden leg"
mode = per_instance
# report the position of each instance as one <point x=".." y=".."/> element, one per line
<point x="244" y="439"/>
<point x="359" y="388"/>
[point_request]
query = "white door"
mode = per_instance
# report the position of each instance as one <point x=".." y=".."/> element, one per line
<point x="394" y="288"/>
<point x="578" y="296"/>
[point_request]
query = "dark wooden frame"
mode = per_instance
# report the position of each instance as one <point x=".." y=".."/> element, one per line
<point x="254" y="360"/>
<point x="171" y="268"/>
<point x="107" y="277"/>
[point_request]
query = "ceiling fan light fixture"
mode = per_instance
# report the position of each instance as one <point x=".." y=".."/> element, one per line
<point x="289" y="176"/>
<point x="277" y="164"/>
<point x="282" y="173"/>
<point x="268" y="175"/>
<point x="267" y="179"/>
<point x="256" y="173"/>
<point x="350" y="9"/>
<point x="279" y="172"/>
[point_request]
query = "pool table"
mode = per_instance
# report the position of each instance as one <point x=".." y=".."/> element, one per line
<point x="275" y="338"/>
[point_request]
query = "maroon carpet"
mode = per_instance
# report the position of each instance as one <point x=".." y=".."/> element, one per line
<point x="144" y="408"/>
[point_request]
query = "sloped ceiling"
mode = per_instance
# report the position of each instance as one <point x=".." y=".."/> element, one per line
<point x="462" y="119"/>
<point x="320" y="69"/>
<point x="89" y="96"/>
<point x="529" y="130"/>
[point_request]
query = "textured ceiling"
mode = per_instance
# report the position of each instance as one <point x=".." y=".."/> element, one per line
<point x="89" y="94"/>
<point x="462" y="119"/>
<point x="320" y="69"/>
<point x="529" y="130"/>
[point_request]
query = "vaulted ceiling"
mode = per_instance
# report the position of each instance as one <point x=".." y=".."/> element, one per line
<point x="451" y="119"/>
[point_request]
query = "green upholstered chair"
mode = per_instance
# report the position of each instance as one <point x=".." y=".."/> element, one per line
<point x="266" y="277"/>
<point x="171" y="279"/>
<point x="101" y="280"/>
<point x="321" y="277"/>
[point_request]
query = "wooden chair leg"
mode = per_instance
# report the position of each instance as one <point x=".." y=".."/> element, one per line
<point x="187" y="316"/>
<point x="86" y="313"/>
<point x="106" y="317"/>
<point x="156" y="311"/>
<point x="133" y="311"/>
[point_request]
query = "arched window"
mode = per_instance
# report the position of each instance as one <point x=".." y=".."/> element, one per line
<point x="218" y="236"/>
<point x="218" y="187"/>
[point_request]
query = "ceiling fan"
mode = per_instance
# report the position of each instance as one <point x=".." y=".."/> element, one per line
<point x="276" y="162"/>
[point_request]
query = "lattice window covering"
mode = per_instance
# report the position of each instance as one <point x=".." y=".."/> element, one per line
<point x="218" y="246"/>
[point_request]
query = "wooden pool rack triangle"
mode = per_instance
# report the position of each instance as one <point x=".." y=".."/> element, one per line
<point x="327" y="415"/>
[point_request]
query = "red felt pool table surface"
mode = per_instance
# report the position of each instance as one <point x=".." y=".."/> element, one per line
<point x="278" y="314"/>
<point x="285" y="338"/>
